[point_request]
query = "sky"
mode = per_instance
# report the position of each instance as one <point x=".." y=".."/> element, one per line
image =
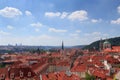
<point x="49" y="22"/>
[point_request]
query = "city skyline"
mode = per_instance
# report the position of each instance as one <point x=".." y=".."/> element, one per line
<point x="76" y="22"/>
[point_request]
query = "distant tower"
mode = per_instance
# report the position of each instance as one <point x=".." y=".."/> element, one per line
<point x="100" y="45"/>
<point x="62" y="45"/>
<point x="62" y="48"/>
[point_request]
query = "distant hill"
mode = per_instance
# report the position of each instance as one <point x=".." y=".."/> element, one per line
<point x="78" y="46"/>
<point x="12" y="49"/>
<point x="114" y="42"/>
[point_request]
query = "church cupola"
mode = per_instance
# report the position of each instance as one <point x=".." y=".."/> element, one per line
<point x="106" y="45"/>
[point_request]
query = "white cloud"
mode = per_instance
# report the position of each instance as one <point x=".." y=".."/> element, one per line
<point x="10" y="12"/>
<point x="52" y="14"/>
<point x="93" y="34"/>
<point x="4" y="33"/>
<point x="10" y="27"/>
<point x="57" y="30"/>
<point x="105" y="35"/>
<point x="96" y="36"/>
<point x="115" y="21"/>
<point x="28" y="13"/>
<point x="37" y="25"/>
<point x="74" y="35"/>
<point x="78" y="15"/>
<point x="96" y="33"/>
<point x="56" y="14"/>
<point x="118" y="9"/>
<point x="78" y="31"/>
<point x="64" y="15"/>
<point x="96" y="20"/>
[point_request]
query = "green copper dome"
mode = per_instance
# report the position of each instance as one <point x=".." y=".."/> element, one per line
<point x="106" y="42"/>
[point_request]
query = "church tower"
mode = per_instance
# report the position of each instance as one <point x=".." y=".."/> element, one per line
<point x="62" y="48"/>
<point x="100" y="45"/>
<point x="62" y="45"/>
<point x="106" y="44"/>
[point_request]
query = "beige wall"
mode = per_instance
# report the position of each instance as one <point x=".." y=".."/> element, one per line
<point x="53" y="68"/>
<point x="80" y="74"/>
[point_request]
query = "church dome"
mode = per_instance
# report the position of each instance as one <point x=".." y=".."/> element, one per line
<point x="106" y="42"/>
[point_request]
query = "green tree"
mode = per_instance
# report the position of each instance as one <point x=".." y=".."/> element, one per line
<point x="2" y="65"/>
<point x="89" y="77"/>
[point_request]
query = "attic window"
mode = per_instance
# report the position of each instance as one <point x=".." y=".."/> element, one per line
<point x="2" y="76"/>
<point x="21" y="74"/>
<point x="29" y="74"/>
<point x="12" y="75"/>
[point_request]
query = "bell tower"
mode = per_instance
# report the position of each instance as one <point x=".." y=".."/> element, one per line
<point x="62" y="48"/>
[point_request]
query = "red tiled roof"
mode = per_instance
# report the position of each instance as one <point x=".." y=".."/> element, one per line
<point x="59" y="76"/>
<point x="98" y="74"/>
<point x="79" y="68"/>
<point x="16" y="71"/>
<point x="114" y="49"/>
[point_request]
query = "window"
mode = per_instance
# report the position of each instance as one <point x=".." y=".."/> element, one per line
<point x="29" y="74"/>
<point x="12" y="75"/>
<point x="2" y="76"/>
<point x="21" y="74"/>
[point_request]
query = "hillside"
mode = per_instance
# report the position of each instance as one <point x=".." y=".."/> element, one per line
<point x="78" y="46"/>
<point x="114" y="42"/>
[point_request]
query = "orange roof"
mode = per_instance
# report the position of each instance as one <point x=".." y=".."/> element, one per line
<point x="79" y="68"/>
<point x="114" y="49"/>
<point x="59" y="76"/>
<point x="16" y="71"/>
<point x="99" y="74"/>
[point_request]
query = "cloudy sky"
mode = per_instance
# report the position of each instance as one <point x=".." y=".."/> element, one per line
<point x="49" y="22"/>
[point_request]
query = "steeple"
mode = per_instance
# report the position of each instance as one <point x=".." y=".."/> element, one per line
<point x="62" y="45"/>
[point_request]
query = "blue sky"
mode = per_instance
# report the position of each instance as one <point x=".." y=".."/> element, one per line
<point x="49" y="22"/>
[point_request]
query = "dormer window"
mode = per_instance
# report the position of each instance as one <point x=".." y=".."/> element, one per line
<point x="29" y="74"/>
<point x="12" y="75"/>
<point x="21" y="74"/>
<point x="2" y="76"/>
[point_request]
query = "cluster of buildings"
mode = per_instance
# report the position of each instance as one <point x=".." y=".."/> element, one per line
<point x="108" y="48"/>
<point x="66" y="64"/>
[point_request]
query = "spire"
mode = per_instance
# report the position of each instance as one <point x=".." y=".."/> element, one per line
<point x="62" y="45"/>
